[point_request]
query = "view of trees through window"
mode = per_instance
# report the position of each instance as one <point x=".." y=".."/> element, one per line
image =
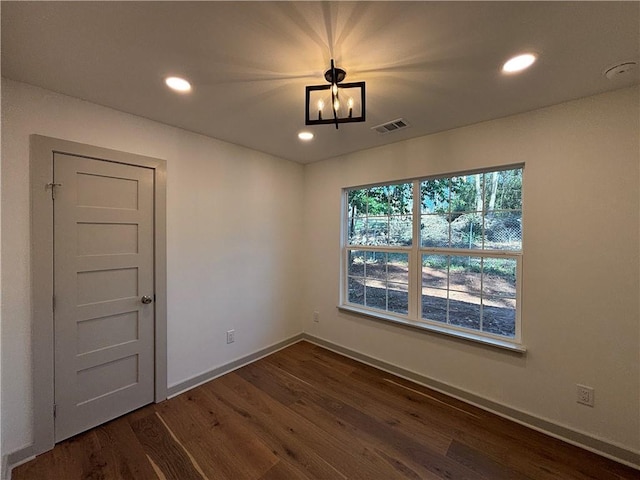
<point x="466" y="243"/>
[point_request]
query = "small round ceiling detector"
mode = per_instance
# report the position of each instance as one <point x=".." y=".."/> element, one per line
<point x="620" y="71"/>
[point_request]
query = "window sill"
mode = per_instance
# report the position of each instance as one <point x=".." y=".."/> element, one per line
<point x="469" y="336"/>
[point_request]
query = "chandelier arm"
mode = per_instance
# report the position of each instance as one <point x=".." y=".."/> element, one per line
<point x="333" y="107"/>
<point x="334" y="81"/>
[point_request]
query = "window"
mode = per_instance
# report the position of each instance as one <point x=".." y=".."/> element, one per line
<point x="440" y="253"/>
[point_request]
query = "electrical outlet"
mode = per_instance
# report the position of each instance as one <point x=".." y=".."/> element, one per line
<point x="316" y="317"/>
<point x="231" y="336"/>
<point x="584" y="395"/>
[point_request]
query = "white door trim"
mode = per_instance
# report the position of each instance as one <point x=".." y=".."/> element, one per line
<point x="42" y="346"/>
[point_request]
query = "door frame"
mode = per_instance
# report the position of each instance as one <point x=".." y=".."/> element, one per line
<point x="41" y="156"/>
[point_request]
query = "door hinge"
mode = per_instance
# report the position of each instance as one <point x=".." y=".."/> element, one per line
<point x="53" y="186"/>
<point x="55" y="410"/>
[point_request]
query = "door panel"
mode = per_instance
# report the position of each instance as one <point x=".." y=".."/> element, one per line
<point x="103" y="265"/>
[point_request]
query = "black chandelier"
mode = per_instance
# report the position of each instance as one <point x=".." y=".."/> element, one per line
<point x="335" y="103"/>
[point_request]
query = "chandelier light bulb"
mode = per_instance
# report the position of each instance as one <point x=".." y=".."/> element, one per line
<point x="320" y="107"/>
<point x="336" y="105"/>
<point x="334" y="88"/>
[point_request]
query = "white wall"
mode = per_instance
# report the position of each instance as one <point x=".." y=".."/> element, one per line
<point x="233" y="221"/>
<point x="231" y="268"/>
<point x="581" y="284"/>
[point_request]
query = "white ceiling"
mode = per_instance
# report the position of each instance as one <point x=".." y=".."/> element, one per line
<point x="435" y="64"/>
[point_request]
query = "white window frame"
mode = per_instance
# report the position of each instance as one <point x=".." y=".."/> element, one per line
<point x="415" y="252"/>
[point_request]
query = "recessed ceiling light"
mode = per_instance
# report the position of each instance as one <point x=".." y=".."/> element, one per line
<point x="306" y="136"/>
<point x="519" y="63"/>
<point x="178" y="84"/>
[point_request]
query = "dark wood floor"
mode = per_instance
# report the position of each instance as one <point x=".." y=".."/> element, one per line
<point x="308" y="413"/>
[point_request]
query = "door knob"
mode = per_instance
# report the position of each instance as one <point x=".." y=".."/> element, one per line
<point x="146" y="299"/>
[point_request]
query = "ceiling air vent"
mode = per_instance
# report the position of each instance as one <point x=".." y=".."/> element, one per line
<point x="391" y="126"/>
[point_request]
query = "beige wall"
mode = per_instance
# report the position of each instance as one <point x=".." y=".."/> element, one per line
<point x="581" y="262"/>
<point x="233" y="221"/>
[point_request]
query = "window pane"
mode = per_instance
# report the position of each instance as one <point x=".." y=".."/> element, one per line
<point x="401" y="199"/>
<point x="462" y="289"/>
<point x="377" y="231"/>
<point x="380" y="215"/>
<point x="434" y="304"/>
<point x="465" y="274"/>
<point x="499" y="316"/>
<point x="384" y="281"/>
<point x="400" y="230"/>
<point x="467" y="193"/>
<point x="377" y="201"/>
<point x="357" y="230"/>
<point x="376" y="265"/>
<point x="355" y="263"/>
<point x="434" y="231"/>
<point x="504" y="190"/>
<point x="398" y="298"/>
<point x="435" y="195"/>
<point x="503" y="230"/>
<point x="375" y="294"/>
<point x="499" y="277"/>
<point x="466" y="231"/>
<point x="398" y="267"/>
<point x="357" y="200"/>
<point x="435" y="271"/>
<point x="464" y="310"/>
<point x="356" y="290"/>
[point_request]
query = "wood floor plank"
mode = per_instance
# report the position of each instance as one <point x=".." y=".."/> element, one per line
<point x="225" y="449"/>
<point x="165" y="453"/>
<point x="123" y="451"/>
<point x="307" y="413"/>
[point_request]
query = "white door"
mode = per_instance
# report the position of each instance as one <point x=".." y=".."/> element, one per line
<point x="104" y="290"/>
